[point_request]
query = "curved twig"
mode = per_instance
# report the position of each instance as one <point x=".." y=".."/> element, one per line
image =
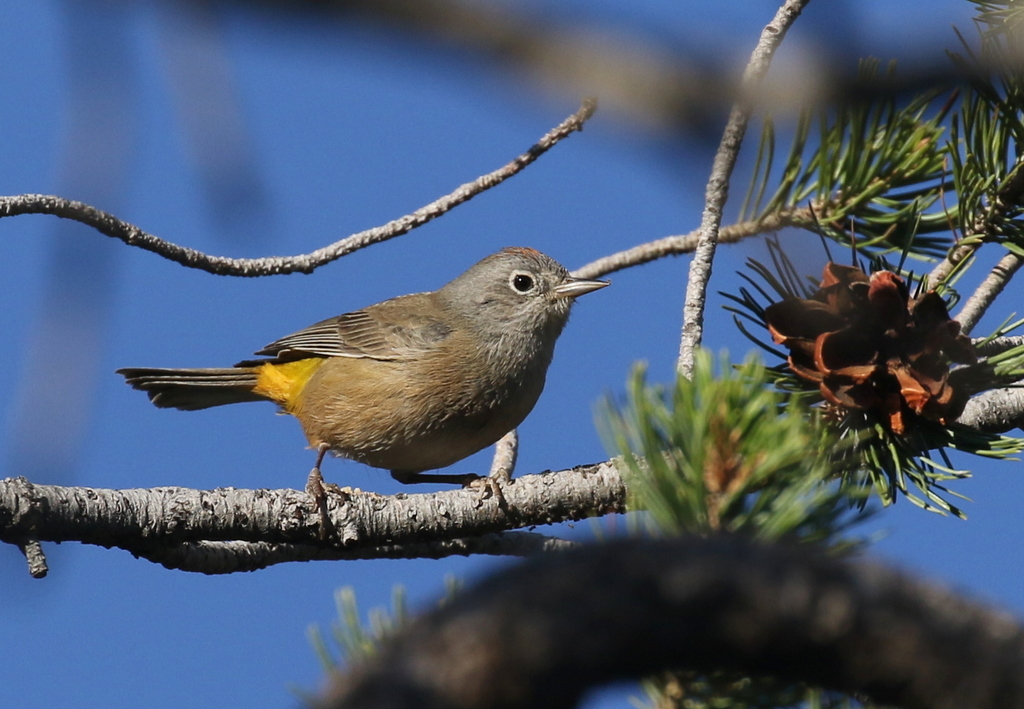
<point x="304" y="263"/>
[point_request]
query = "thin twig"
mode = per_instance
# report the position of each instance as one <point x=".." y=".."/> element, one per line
<point x="685" y="243"/>
<point x="988" y="291"/>
<point x="717" y="191"/>
<point x="304" y="263"/>
<point x="33" y="552"/>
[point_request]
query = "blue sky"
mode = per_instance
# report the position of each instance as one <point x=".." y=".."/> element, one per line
<point x="344" y="126"/>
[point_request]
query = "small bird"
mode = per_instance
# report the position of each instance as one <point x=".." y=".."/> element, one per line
<point x="410" y="384"/>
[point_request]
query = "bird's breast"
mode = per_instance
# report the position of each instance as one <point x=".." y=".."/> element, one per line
<point x="417" y="413"/>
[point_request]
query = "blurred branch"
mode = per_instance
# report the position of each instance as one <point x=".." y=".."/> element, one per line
<point x="201" y="77"/>
<point x="156" y="523"/>
<point x="644" y="79"/>
<point x="304" y="263"/>
<point x="651" y="86"/>
<point x="56" y="370"/>
<point x="717" y="191"/>
<point x="544" y="632"/>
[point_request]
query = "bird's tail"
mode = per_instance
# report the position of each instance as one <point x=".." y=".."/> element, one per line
<point x="193" y="389"/>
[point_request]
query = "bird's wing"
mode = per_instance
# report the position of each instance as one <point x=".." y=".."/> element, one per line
<point x="396" y="329"/>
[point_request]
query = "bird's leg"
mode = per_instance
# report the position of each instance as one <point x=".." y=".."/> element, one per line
<point x="504" y="462"/>
<point x="315" y="489"/>
<point x="407" y="478"/>
<point x="315" y="482"/>
<point x="506" y="450"/>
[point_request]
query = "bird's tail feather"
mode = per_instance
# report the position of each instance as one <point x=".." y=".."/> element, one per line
<point x="192" y="389"/>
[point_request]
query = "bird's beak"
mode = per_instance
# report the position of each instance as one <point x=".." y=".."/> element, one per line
<point x="574" y="287"/>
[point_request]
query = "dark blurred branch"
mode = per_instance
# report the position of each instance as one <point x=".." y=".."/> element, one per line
<point x="644" y="79"/>
<point x="201" y="77"/>
<point x="280" y="525"/>
<point x="541" y="634"/>
<point x="303" y="263"/>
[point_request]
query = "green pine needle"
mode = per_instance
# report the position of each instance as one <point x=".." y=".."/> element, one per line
<point x="727" y="452"/>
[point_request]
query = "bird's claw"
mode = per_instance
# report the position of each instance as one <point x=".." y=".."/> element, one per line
<point x="486" y="489"/>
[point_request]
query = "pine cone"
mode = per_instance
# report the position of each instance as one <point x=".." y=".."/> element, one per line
<point x="869" y="345"/>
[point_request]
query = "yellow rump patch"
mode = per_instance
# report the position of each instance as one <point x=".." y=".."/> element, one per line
<point x="283" y="383"/>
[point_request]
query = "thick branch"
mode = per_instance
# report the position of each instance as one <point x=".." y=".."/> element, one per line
<point x="303" y="263"/>
<point x="542" y="633"/>
<point x="717" y="191"/>
<point x="155" y="523"/>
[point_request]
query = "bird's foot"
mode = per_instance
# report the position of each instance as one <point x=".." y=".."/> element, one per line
<point x="487" y="488"/>
<point x="318" y="489"/>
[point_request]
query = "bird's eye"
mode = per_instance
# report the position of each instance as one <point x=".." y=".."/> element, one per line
<point x="522" y="282"/>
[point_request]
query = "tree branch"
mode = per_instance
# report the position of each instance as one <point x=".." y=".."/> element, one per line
<point x="303" y="263"/>
<point x="156" y="523"/>
<point x="717" y="191"/>
<point x="542" y="633"/>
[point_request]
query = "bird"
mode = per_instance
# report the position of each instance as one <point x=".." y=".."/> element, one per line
<point x="410" y="384"/>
